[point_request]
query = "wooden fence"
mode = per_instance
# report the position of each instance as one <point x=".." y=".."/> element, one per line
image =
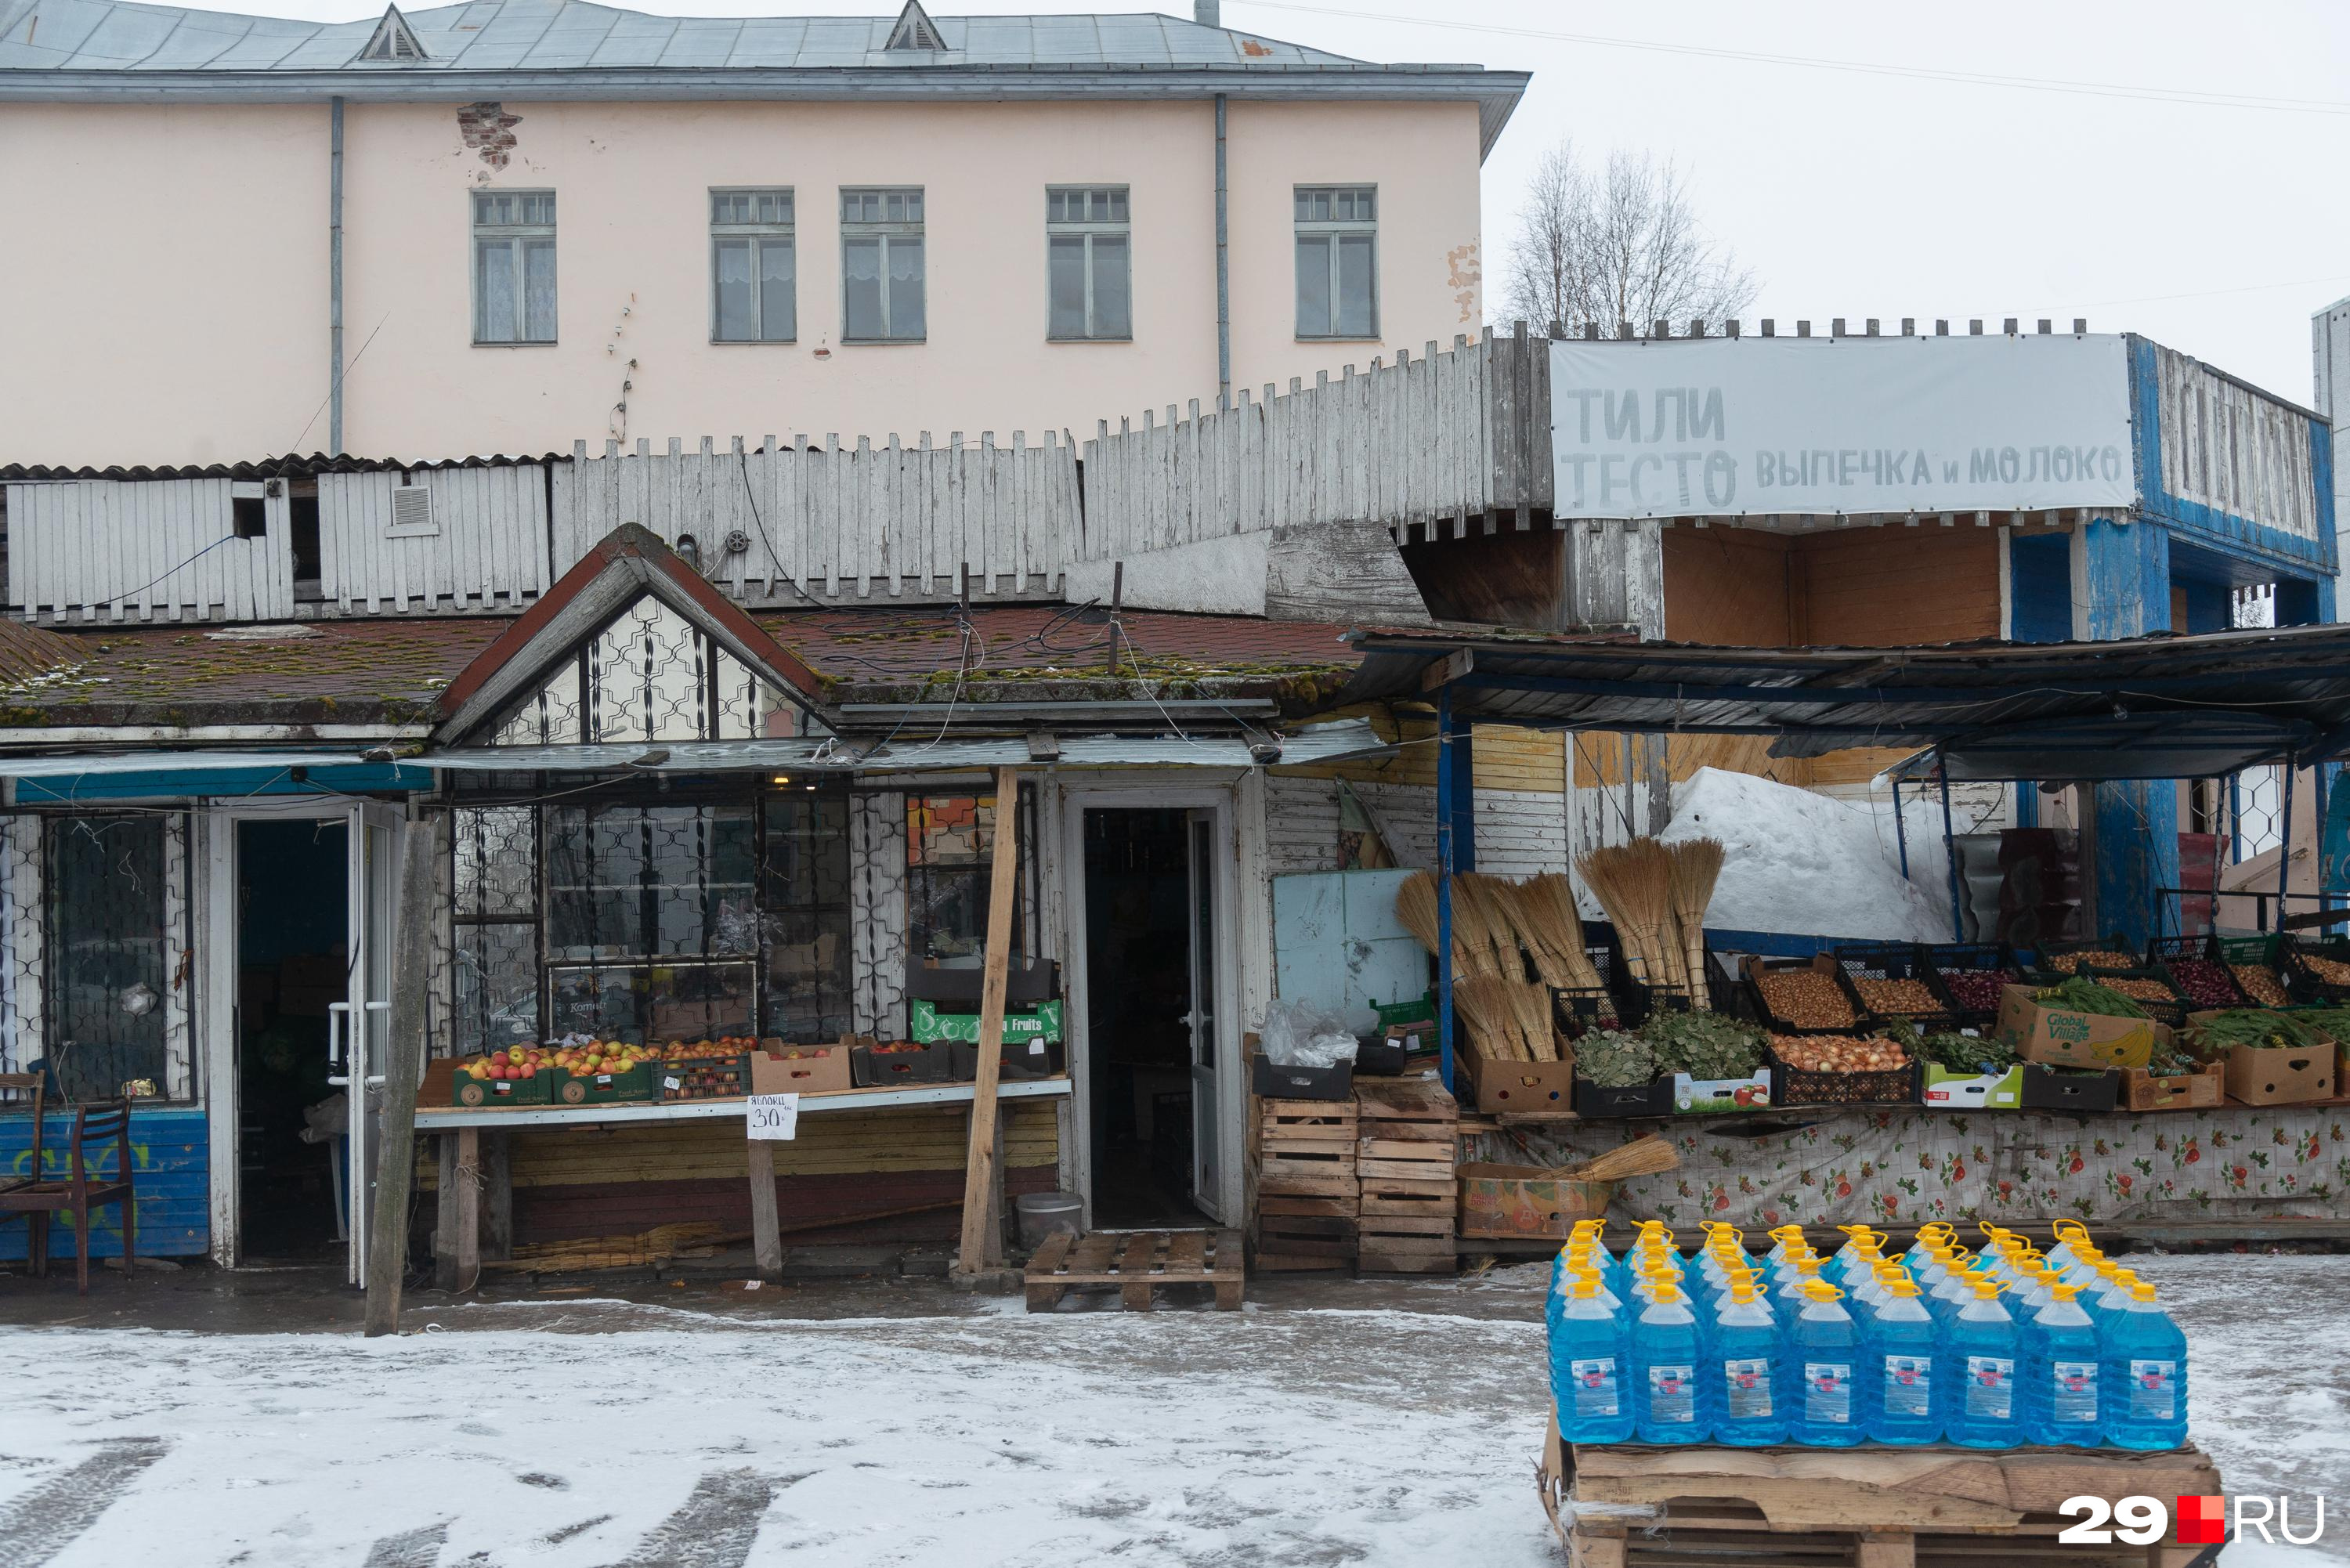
<point x="778" y="522"/>
<point x="122" y="550"/>
<point x="1424" y="443"/>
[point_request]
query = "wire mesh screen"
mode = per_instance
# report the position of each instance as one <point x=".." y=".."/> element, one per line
<point x="2255" y="812"/>
<point x="97" y="989"/>
<point x="650" y="676"/>
<point x="949" y="849"/>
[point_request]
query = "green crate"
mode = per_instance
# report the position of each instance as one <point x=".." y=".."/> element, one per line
<point x="1418" y="1009"/>
<point x="602" y="1088"/>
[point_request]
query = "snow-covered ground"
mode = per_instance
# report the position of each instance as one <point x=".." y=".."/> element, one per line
<point x="581" y="1434"/>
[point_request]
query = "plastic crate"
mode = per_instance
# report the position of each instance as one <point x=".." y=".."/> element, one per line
<point x="1802" y="1086"/>
<point x="931" y="1063"/>
<point x="2051" y="953"/>
<point x="466" y="1091"/>
<point x="2248" y="958"/>
<point x="2172" y="1013"/>
<point x="1753" y="971"/>
<point x="2193" y="967"/>
<point x="2084" y="1093"/>
<point x="1592" y="1102"/>
<point x="2304" y="982"/>
<point x="702" y="1078"/>
<point x="1875" y="961"/>
<point x="1994" y="958"/>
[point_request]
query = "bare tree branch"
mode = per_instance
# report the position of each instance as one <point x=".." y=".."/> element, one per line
<point x="1621" y="245"/>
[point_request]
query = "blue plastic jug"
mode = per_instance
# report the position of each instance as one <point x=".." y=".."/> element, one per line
<point x="1902" y="1351"/>
<point x="1981" y="1349"/>
<point x="2142" y="1375"/>
<point x="1589" y="1362"/>
<point x="1669" y="1400"/>
<point x="1824" y="1361"/>
<point x="1745" y="1359"/>
<point x="2060" y="1374"/>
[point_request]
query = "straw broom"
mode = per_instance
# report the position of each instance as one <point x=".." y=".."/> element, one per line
<point x="1634" y="883"/>
<point x="1553" y="931"/>
<point x="1483" y="1002"/>
<point x="1492" y="917"/>
<point x="1648" y="1155"/>
<point x="1696" y="863"/>
<point x="1474" y="948"/>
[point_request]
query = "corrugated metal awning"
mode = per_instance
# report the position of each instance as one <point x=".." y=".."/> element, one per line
<point x="54" y="767"/>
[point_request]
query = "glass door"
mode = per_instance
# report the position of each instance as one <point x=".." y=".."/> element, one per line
<point x="1200" y="827"/>
<point x="359" y="1041"/>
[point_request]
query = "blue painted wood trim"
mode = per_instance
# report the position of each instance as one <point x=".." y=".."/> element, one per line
<point x="190" y="783"/>
<point x="2208" y="526"/>
<point x="171" y="1177"/>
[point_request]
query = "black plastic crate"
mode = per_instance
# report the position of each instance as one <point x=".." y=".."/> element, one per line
<point x="1972" y="1003"/>
<point x="2045" y="959"/>
<point x="1804" y="1086"/>
<point x="2303" y="981"/>
<point x="1654" y="1099"/>
<point x="2172" y="1013"/>
<point x="2060" y="1089"/>
<point x="929" y="1064"/>
<point x="1755" y="967"/>
<point x="1022" y="1062"/>
<point x="1270" y="1083"/>
<point x="2248" y="958"/>
<point x="2193" y="967"/>
<point x="1875" y="961"/>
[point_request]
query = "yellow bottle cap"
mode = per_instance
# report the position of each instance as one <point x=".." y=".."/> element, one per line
<point x="1586" y="1289"/>
<point x="1984" y="1288"/>
<point x="2141" y="1292"/>
<point x="1821" y="1291"/>
<point x="1666" y="1295"/>
<point x="1901" y="1286"/>
<point x="1742" y="1291"/>
<point x="2064" y="1293"/>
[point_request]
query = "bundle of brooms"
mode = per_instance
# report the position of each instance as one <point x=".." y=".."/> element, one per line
<point x="1507" y="1020"/>
<point x="1656" y="895"/>
<point x="1478" y="948"/>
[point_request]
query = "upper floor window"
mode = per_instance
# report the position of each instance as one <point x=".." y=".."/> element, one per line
<point x="753" y="266"/>
<point x="514" y="267"/>
<point x="1087" y="263"/>
<point x="1337" y="261"/>
<point x="883" y="274"/>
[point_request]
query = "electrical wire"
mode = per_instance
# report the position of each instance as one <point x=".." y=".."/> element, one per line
<point x="1863" y="67"/>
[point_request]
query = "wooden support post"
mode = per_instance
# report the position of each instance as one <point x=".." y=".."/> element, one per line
<point x="983" y="1228"/>
<point x="497" y="1195"/>
<point x="444" y="1222"/>
<point x="767" y="1226"/>
<point x="411" y="965"/>
<point x="466" y="1256"/>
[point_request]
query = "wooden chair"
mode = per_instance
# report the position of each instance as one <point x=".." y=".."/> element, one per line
<point x="80" y="1191"/>
<point x="35" y="1086"/>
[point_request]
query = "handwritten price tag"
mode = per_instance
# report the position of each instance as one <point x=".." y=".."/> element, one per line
<point x="775" y="1117"/>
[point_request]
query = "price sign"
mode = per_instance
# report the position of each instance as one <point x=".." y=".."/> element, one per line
<point x="775" y="1117"/>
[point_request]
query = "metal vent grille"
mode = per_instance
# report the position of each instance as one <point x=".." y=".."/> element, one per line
<point x="412" y="511"/>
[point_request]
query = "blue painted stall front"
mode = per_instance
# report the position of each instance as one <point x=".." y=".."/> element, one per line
<point x="170" y="1168"/>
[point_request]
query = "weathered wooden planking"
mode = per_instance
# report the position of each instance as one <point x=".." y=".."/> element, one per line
<point x="1137" y="1264"/>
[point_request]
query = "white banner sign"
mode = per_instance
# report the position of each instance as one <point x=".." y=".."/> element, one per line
<point x="1728" y="427"/>
<point x="775" y="1117"/>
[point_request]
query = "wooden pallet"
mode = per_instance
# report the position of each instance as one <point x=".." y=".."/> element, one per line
<point x="1870" y="1508"/>
<point x="1136" y="1262"/>
<point x="1410" y="1130"/>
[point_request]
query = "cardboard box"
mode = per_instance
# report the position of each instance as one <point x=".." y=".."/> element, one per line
<point x="1520" y="1085"/>
<point x="1526" y="1202"/>
<point x="2259" y="1076"/>
<point x="777" y="1068"/>
<point x="2142" y="1091"/>
<point x="1949" y="1091"/>
<point x="2060" y="1037"/>
<point x="1709" y="1096"/>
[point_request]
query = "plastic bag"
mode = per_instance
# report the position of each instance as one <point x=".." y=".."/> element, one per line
<point x="1303" y="1034"/>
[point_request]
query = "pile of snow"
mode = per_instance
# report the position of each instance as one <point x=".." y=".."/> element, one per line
<point x="1802" y="863"/>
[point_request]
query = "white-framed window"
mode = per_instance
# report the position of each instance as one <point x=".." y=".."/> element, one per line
<point x="514" y="267"/>
<point x="1088" y="264"/>
<point x="1337" y="261"/>
<point x="753" y="266"/>
<point x="882" y="266"/>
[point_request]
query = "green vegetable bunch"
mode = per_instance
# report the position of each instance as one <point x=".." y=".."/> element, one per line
<point x="1703" y="1044"/>
<point x="1616" y="1059"/>
<point x="1971" y="1054"/>
<point x="2256" y="1026"/>
<point x="2082" y="995"/>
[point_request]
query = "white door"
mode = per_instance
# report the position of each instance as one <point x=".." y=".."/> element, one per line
<point x="1200" y="835"/>
<point x="359" y="1026"/>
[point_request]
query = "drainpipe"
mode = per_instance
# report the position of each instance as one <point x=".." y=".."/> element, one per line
<point x="1224" y="264"/>
<point x="335" y="281"/>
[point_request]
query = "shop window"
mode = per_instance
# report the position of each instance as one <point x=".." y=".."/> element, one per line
<point x="494" y="911"/>
<point x="805" y="912"/>
<point x="107" y="972"/>
<point x="949" y="847"/>
<point x="649" y="676"/>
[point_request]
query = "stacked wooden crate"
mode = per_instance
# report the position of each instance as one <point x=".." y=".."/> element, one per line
<point x="1409" y="1132"/>
<point x="1305" y="1187"/>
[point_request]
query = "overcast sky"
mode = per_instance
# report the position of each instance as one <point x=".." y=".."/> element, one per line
<point x="2217" y="230"/>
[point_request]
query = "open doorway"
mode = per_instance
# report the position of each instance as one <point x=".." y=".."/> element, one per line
<point x="293" y="962"/>
<point x="1149" y="1016"/>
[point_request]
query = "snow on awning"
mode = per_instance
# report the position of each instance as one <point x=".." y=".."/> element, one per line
<point x="53" y="766"/>
<point x="1316" y="743"/>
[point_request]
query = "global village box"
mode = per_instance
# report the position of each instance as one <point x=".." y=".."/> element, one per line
<point x="2065" y="1037"/>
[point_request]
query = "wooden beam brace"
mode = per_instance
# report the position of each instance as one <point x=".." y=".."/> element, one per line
<point x="983" y="1229"/>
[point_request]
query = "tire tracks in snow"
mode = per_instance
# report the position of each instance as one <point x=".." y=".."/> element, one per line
<point x="44" y="1521"/>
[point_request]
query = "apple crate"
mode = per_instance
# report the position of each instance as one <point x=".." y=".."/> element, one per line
<point x="471" y="1092"/>
<point x="602" y="1088"/>
<point x="701" y="1078"/>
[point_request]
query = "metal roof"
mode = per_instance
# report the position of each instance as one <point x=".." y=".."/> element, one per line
<point x="556" y="50"/>
<point x="2158" y="707"/>
<point x="293" y="465"/>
